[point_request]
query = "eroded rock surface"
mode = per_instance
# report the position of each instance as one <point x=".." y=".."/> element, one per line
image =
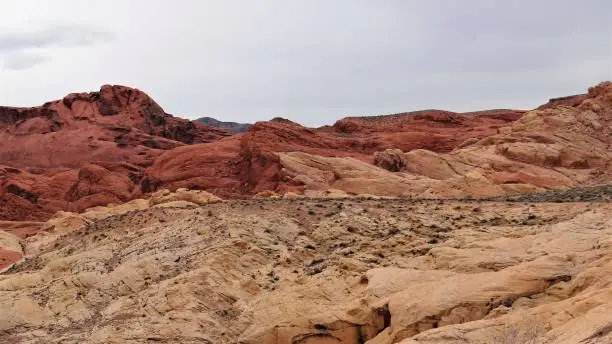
<point x="301" y="270"/>
<point x="555" y="147"/>
<point x="117" y="144"/>
<point x="85" y="150"/>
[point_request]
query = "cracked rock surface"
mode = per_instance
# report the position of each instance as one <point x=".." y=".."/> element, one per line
<point x="316" y="271"/>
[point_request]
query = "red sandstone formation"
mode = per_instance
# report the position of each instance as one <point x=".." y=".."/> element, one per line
<point x="84" y="150"/>
<point x="249" y="163"/>
<point x="436" y="130"/>
<point x="111" y="146"/>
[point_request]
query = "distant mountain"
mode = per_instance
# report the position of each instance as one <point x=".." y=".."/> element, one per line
<point x="230" y="126"/>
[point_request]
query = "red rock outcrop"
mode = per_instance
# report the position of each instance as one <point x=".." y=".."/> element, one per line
<point x="249" y="163"/>
<point x="553" y="147"/>
<point x="111" y="146"/>
<point x="436" y="130"/>
<point x="84" y="150"/>
<point x="243" y="164"/>
<point x="359" y="138"/>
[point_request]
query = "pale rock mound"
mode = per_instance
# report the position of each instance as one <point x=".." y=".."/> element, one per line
<point x="102" y="212"/>
<point x="65" y="223"/>
<point x="316" y="272"/>
<point x="348" y="174"/>
<point x="198" y="197"/>
<point x="266" y="194"/>
<point x="176" y="204"/>
<point x="329" y="193"/>
<point x="10" y="250"/>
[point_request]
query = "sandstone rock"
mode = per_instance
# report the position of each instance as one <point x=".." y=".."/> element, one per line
<point x="176" y="204"/>
<point x="347" y="174"/>
<point x="117" y="144"/>
<point x="549" y="148"/>
<point x="259" y="272"/>
<point x="102" y="212"/>
<point x="142" y="149"/>
<point x="390" y="159"/>
<point x="85" y="150"/>
<point x="197" y="197"/>
<point x="10" y="250"/>
<point x="266" y="194"/>
<point x="292" y="195"/>
<point x="9" y="242"/>
<point x="60" y="225"/>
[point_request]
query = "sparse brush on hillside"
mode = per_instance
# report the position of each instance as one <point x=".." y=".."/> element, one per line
<point x="521" y="333"/>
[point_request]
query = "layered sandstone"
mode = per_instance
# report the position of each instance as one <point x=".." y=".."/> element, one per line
<point x="84" y="150"/>
<point x="115" y="145"/>
<point x="314" y="271"/>
<point x="555" y="147"/>
<point x="350" y="237"/>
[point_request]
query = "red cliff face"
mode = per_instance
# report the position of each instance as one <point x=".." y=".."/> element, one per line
<point x="436" y="130"/>
<point x="86" y="149"/>
<point x="116" y="144"/>
<point x="248" y="163"/>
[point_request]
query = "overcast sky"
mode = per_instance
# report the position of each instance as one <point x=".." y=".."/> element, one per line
<point x="313" y="61"/>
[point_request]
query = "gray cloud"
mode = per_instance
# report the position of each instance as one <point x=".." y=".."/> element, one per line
<point x="59" y="35"/>
<point x="314" y="61"/>
<point x="24" y="49"/>
<point x="22" y="60"/>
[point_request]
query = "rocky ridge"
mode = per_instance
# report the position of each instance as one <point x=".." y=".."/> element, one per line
<point x="234" y="127"/>
<point x="117" y="144"/>
<point x="479" y="234"/>
<point x="555" y="147"/>
<point x="84" y="150"/>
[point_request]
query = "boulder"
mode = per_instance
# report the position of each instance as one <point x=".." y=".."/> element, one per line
<point x="390" y="159"/>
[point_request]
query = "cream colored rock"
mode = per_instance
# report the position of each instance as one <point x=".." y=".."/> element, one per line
<point x="61" y="224"/>
<point x="292" y="195"/>
<point x="194" y="196"/>
<point x="347" y="174"/>
<point x="267" y="194"/>
<point x="377" y="271"/>
<point x="176" y="204"/>
<point x="9" y="242"/>
<point x="329" y="193"/>
<point x="111" y="210"/>
<point x="433" y="165"/>
<point x="11" y="252"/>
<point x="21" y="311"/>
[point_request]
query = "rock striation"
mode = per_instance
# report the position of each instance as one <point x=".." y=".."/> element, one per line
<point x="313" y="271"/>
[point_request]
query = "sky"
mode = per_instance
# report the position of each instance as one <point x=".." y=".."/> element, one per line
<point x="311" y="61"/>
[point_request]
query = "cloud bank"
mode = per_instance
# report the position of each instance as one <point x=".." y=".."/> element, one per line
<point x="310" y="61"/>
<point x="22" y="49"/>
